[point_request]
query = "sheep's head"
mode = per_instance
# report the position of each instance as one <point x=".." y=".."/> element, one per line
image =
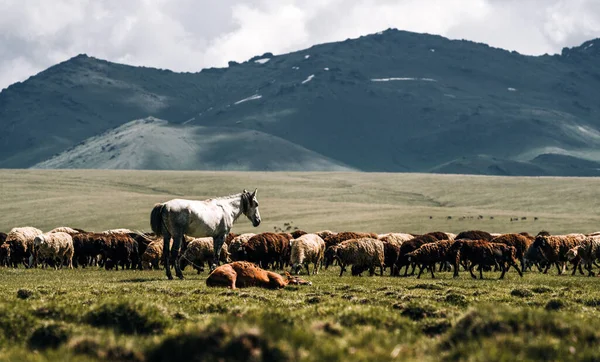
<point x="39" y="241"/>
<point x="540" y="241"/>
<point x="330" y="255"/>
<point x="572" y="253"/>
<point x="411" y="256"/>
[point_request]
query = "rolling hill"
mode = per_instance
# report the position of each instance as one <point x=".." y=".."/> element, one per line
<point x="391" y="101"/>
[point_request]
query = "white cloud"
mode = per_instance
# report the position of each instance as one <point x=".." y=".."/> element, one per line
<point x="188" y="35"/>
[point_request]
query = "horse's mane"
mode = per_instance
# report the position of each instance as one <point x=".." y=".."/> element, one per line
<point x="226" y="197"/>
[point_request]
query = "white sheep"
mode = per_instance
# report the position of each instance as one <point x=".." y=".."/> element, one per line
<point x="306" y="249"/>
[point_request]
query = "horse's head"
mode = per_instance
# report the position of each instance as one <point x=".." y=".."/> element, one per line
<point x="250" y="207"/>
<point x="292" y="280"/>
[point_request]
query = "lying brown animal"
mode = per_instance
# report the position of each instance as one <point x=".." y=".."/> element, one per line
<point x="242" y="274"/>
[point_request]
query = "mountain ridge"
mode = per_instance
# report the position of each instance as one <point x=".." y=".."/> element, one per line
<point x="392" y="101"/>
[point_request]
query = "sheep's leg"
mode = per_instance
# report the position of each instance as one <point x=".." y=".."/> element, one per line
<point x="471" y="271"/>
<point x="560" y="270"/>
<point x="580" y="269"/>
<point x="421" y="267"/>
<point x="381" y="269"/>
<point x="504" y="269"/>
<point x="431" y="267"/>
<point x="480" y="271"/>
<point x="414" y="267"/>
<point x="342" y="268"/>
<point x="456" y="266"/>
<point x="518" y="271"/>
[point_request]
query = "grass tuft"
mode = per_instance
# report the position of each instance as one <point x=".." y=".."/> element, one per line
<point x="129" y="317"/>
<point x="50" y="335"/>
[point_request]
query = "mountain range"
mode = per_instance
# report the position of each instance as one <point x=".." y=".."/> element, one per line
<point x="394" y="101"/>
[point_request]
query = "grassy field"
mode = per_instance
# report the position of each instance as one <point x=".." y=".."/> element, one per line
<point x="417" y="203"/>
<point x="133" y="315"/>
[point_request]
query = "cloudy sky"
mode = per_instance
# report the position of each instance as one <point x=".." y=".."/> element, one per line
<point x="188" y="35"/>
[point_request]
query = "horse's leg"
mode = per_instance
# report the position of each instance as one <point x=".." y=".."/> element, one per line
<point x="177" y="241"/>
<point x="217" y="244"/>
<point x="166" y="255"/>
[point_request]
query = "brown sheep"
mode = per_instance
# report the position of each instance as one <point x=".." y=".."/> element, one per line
<point x="199" y="251"/>
<point x="410" y="246"/>
<point x="555" y="248"/>
<point x="475" y="235"/>
<point x="362" y="254"/>
<point x="4" y="255"/>
<point x="56" y="247"/>
<point x="397" y="237"/>
<point x="483" y="253"/>
<point x="308" y="248"/>
<point x="241" y="274"/>
<point x="588" y="251"/>
<point x="439" y="235"/>
<point x="117" y="249"/>
<point x="391" y="253"/>
<point x="298" y="233"/>
<point x="268" y="248"/>
<point x="325" y="233"/>
<point x="429" y="254"/>
<point x="520" y="242"/>
<point x="20" y="241"/>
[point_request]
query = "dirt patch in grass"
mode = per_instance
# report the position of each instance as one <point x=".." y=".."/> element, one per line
<point x="222" y="343"/>
<point x="129" y="317"/>
<point x="25" y="293"/>
<point x="104" y="350"/>
<point x="50" y="335"/>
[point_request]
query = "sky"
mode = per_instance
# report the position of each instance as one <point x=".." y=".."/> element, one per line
<point x="188" y="35"/>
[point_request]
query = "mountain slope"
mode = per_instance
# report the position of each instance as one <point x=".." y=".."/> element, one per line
<point x="154" y="144"/>
<point x="392" y="101"/>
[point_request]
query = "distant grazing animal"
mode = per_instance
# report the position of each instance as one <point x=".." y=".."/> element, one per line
<point x="306" y="249"/>
<point x="199" y="251"/>
<point x="362" y="254"/>
<point x="56" y="247"/>
<point x="20" y="241"/>
<point x="241" y="274"/>
<point x="212" y="217"/>
<point x="475" y="235"/>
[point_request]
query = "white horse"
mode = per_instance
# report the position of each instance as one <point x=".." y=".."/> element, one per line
<point x="212" y="217"/>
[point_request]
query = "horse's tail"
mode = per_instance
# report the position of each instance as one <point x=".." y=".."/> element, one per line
<point x="156" y="219"/>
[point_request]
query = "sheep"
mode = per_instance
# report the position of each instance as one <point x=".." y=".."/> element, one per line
<point x="120" y="249"/>
<point x="409" y="246"/>
<point x="325" y="233"/>
<point x="66" y="229"/>
<point x="346" y="235"/>
<point x="4" y="255"/>
<point x="439" y="235"/>
<point x="2" y="238"/>
<point x="520" y="242"/>
<point x="588" y="251"/>
<point x="555" y="248"/>
<point x="20" y="241"/>
<point x="427" y="255"/>
<point x="201" y="250"/>
<point x="363" y="253"/>
<point x="86" y="249"/>
<point x="475" y="235"/>
<point x="483" y="253"/>
<point x="298" y="233"/>
<point x="268" y="248"/>
<point x="152" y="256"/>
<point x="398" y="237"/>
<point x="308" y="248"/>
<point x="391" y="253"/>
<point x="235" y="247"/>
<point x="242" y="274"/>
<point x="117" y="231"/>
<point x="54" y="246"/>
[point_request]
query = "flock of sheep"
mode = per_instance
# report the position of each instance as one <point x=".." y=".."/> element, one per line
<point x="128" y="249"/>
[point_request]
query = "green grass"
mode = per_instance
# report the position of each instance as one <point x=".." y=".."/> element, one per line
<point x="94" y="314"/>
